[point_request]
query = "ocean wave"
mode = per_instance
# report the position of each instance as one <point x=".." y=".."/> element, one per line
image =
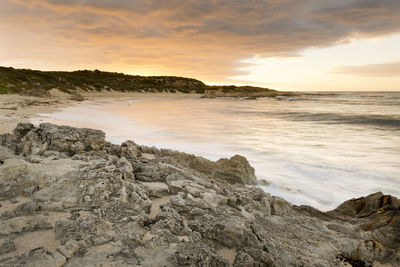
<point x="334" y="118"/>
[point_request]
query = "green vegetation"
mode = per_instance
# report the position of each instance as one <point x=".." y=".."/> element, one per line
<point x="24" y="81"/>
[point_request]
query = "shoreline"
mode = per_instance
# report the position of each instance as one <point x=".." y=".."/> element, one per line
<point x="16" y="108"/>
<point x="289" y="190"/>
<point x="85" y="201"/>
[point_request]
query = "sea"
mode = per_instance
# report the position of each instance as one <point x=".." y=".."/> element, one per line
<point x="317" y="149"/>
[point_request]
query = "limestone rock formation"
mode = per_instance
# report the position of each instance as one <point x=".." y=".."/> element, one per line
<point x="236" y="170"/>
<point x="69" y="198"/>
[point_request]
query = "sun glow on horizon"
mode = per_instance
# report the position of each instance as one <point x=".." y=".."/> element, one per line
<point x="314" y="70"/>
<point x="280" y="44"/>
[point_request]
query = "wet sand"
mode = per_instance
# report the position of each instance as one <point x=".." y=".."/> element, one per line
<point x="16" y="109"/>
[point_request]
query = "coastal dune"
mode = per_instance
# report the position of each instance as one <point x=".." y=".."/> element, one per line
<point x="70" y="198"/>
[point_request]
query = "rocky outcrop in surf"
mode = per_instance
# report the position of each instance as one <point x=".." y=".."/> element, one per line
<point x="70" y="198"/>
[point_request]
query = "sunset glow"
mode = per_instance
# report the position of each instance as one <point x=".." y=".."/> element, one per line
<point x="281" y="44"/>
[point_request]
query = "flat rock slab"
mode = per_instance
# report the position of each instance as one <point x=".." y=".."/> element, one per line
<point x="157" y="189"/>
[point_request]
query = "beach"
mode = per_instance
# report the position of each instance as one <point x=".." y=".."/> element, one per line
<point x="16" y="108"/>
<point x="81" y="196"/>
<point x="315" y="149"/>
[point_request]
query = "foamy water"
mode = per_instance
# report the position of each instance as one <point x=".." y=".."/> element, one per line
<point x="317" y="150"/>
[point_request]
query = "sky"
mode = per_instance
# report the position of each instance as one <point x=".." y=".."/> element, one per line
<point x="312" y="45"/>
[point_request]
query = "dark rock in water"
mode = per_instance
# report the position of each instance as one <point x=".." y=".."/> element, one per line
<point x="373" y="204"/>
<point x="81" y="201"/>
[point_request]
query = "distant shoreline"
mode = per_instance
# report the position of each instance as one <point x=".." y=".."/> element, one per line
<point x="39" y="83"/>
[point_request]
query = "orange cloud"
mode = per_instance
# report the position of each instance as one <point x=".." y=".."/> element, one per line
<point x="199" y="38"/>
<point x="389" y="69"/>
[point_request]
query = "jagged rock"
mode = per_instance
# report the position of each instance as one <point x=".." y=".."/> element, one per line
<point x="156" y="189"/>
<point x="280" y="207"/>
<point x="126" y="169"/>
<point x="70" y="248"/>
<point x="129" y="150"/>
<point x="23" y="224"/>
<point x="38" y="257"/>
<point x="367" y="206"/>
<point x="27" y="208"/>
<point x="22" y="129"/>
<point x="131" y="205"/>
<point x="236" y="170"/>
<point x="63" y="139"/>
<point x="234" y="232"/>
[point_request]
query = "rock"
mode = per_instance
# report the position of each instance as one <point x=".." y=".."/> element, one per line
<point x="130" y="205"/>
<point x="70" y="248"/>
<point x="63" y="139"/>
<point x="5" y="154"/>
<point x="236" y="170"/>
<point x="156" y="189"/>
<point x="23" y="224"/>
<point x="234" y="232"/>
<point x="280" y="207"/>
<point x="177" y="200"/>
<point x="38" y="92"/>
<point x="366" y="206"/>
<point x="126" y="169"/>
<point x="177" y="186"/>
<point x="130" y="150"/>
<point x="197" y="202"/>
<point x="263" y="182"/>
<point x="38" y="257"/>
<point x="77" y="97"/>
<point x="22" y="129"/>
<point x="6" y="246"/>
<point x="213" y="200"/>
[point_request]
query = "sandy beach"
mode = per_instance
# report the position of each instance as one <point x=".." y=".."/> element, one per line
<point x="15" y="108"/>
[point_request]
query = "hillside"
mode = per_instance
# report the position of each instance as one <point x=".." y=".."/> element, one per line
<point x="34" y="82"/>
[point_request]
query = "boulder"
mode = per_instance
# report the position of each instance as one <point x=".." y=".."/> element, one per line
<point x="130" y="150"/>
<point x="235" y="170"/>
<point x="234" y="232"/>
<point x="369" y="205"/>
<point x="62" y="138"/>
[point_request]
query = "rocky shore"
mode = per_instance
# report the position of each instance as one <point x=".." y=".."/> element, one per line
<point x="69" y="198"/>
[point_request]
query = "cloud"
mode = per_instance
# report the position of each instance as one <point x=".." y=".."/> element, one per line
<point x="199" y="38"/>
<point x="389" y="69"/>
